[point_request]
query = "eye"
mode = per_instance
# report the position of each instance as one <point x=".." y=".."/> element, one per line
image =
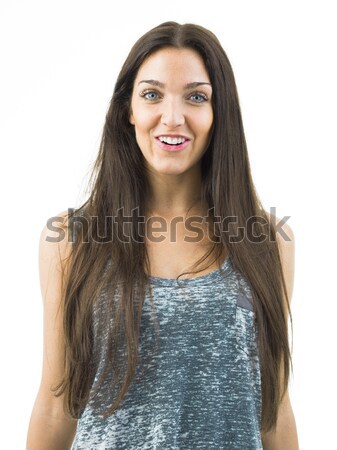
<point x="198" y="97"/>
<point x="150" y="95"/>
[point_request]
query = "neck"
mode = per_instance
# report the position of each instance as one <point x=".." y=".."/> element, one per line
<point x="172" y="194"/>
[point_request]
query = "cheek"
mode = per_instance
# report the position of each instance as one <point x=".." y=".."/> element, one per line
<point x="143" y="118"/>
<point x="203" y="122"/>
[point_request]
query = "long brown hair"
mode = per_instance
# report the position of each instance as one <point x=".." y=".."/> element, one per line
<point x="113" y="264"/>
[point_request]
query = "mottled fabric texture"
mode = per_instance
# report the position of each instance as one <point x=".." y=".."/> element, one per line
<point x="200" y="387"/>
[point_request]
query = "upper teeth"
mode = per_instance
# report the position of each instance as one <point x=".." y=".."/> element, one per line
<point x="170" y="140"/>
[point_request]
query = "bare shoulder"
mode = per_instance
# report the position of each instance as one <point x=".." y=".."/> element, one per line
<point x="55" y="226"/>
<point x="54" y="253"/>
<point x="286" y="242"/>
<point x="285" y="234"/>
<point x="54" y="242"/>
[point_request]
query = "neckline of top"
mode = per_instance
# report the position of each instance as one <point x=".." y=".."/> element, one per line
<point x="208" y="278"/>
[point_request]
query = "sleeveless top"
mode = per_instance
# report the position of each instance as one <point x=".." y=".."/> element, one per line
<point x="201" y="389"/>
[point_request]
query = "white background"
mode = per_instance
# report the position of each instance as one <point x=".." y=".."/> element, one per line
<point x="59" y="63"/>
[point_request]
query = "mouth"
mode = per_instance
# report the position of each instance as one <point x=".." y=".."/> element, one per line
<point x="172" y="143"/>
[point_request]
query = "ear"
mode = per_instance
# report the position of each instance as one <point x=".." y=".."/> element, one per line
<point x="131" y="119"/>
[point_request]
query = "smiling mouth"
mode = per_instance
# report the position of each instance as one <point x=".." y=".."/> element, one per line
<point x="173" y="143"/>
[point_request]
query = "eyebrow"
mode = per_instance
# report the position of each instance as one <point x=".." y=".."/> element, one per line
<point x="194" y="84"/>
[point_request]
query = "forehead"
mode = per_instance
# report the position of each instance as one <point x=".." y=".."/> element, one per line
<point x="181" y="64"/>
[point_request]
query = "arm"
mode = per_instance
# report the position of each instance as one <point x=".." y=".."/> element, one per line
<point x="49" y="427"/>
<point x="284" y="437"/>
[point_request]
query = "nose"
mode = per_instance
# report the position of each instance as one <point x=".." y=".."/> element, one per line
<point x="172" y="114"/>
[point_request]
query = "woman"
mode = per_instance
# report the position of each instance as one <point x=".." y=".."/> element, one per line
<point x="160" y="333"/>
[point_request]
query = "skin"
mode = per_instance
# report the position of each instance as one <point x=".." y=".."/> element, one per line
<point x="49" y="428"/>
<point x="284" y="437"/>
<point x="175" y="178"/>
<point x="172" y="108"/>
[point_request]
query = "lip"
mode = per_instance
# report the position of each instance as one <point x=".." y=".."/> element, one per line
<point x="172" y="148"/>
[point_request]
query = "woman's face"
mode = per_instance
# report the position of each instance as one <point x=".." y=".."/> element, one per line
<point x="171" y="110"/>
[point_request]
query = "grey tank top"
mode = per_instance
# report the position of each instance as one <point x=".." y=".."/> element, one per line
<point x="202" y="387"/>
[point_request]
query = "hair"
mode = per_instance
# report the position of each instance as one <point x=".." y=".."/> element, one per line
<point x="118" y="187"/>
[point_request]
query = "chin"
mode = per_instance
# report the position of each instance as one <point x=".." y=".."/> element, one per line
<point x="171" y="170"/>
<point x="166" y="169"/>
